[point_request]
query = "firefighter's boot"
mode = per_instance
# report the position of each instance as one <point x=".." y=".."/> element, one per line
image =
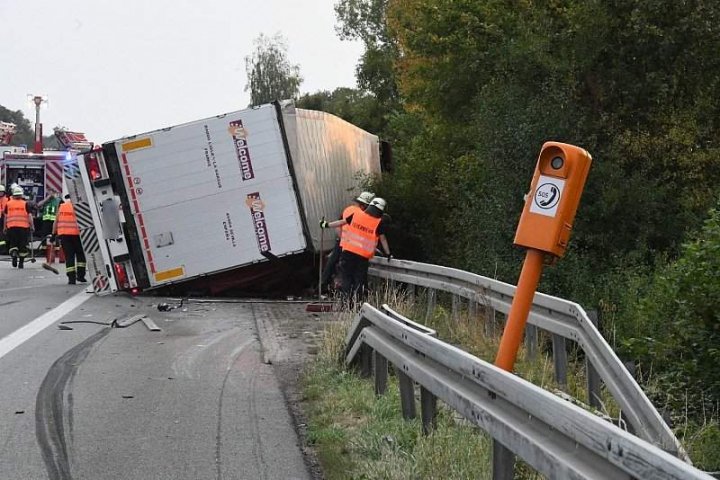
<point x="22" y="253"/>
<point x="14" y="256"/>
<point x="81" y="273"/>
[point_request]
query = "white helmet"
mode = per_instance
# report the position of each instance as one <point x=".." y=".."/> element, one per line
<point x="378" y="203"/>
<point x="2" y="188"/>
<point x="365" y="197"/>
<point x="17" y="191"/>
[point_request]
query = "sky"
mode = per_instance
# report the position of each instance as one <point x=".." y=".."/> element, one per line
<point x="116" y="68"/>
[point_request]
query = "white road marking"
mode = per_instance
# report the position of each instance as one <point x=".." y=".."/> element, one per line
<point x="23" y="334"/>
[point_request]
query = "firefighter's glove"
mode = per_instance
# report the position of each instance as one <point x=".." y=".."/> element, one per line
<point x="324" y="223"/>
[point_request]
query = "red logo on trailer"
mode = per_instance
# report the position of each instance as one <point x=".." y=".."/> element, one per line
<point x="239" y="135"/>
<point x="257" y="207"/>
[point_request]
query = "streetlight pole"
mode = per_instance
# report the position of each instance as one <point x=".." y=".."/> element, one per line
<point x="37" y="100"/>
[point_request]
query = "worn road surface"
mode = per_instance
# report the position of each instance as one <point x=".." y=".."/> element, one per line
<point x="199" y="399"/>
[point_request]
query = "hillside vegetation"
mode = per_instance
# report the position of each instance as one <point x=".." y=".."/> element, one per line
<point x="467" y="92"/>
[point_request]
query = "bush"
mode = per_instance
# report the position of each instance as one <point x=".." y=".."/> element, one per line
<point x="676" y="325"/>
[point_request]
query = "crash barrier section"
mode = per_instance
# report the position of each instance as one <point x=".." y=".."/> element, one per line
<point x="554" y="436"/>
<point x="563" y="319"/>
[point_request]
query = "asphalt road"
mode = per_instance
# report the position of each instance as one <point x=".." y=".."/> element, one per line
<point x="192" y="401"/>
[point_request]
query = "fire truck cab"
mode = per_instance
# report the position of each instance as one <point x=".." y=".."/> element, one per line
<point x="38" y="173"/>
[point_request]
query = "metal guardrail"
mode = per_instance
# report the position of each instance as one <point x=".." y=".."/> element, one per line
<point x="560" y="317"/>
<point x="557" y="438"/>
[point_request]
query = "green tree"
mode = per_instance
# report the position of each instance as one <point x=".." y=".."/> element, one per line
<point x="481" y="86"/>
<point x="366" y="20"/>
<point x="270" y="74"/>
<point x="637" y="84"/>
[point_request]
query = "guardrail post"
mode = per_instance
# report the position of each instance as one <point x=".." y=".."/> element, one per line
<point x="531" y="341"/>
<point x="490" y="321"/>
<point x="560" y="359"/>
<point x="630" y="365"/>
<point x="366" y="355"/>
<point x="411" y="290"/>
<point x="472" y="308"/>
<point x="428" y="410"/>
<point x="455" y="307"/>
<point x="593" y="378"/>
<point x="407" y="394"/>
<point x="430" y="303"/>
<point x="381" y="373"/>
<point x="503" y="461"/>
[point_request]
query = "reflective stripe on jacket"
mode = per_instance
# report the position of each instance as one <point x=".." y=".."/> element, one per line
<point x="349" y="210"/>
<point x="361" y="235"/>
<point x="17" y="214"/>
<point x="66" y="220"/>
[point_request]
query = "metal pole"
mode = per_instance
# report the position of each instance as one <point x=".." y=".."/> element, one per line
<point x="593" y="378"/>
<point x="531" y="341"/>
<point x="560" y="360"/>
<point x="430" y="303"/>
<point x="428" y="412"/>
<point x="407" y="394"/>
<point x="320" y="261"/>
<point x="520" y="309"/>
<point x="38" y="147"/>
<point x="503" y="461"/>
<point x="381" y="373"/>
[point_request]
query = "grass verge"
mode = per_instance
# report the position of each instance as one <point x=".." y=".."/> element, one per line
<point x="358" y="435"/>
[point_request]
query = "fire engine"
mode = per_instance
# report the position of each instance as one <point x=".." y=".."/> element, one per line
<point x="38" y="173"/>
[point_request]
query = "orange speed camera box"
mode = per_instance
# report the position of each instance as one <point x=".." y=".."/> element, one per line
<point x="550" y="207"/>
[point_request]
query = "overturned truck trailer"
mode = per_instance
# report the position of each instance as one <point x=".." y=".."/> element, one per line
<point x="230" y="202"/>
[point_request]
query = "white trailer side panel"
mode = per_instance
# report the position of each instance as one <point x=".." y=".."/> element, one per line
<point x="330" y="157"/>
<point x="211" y="195"/>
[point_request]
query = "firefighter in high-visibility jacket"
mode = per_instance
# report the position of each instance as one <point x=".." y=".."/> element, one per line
<point x="359" y="241"/>
<point x="359" y="203"/>
<point x="18" y="225"/>
<point x="3" y="202"/>
<point x="49" y="210"/>
<point x="67" y="230"/>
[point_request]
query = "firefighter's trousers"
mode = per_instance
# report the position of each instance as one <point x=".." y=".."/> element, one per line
<point x="17" y="241"/>
<point x="354" y="269"/>
<point x="74" y="257"/>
